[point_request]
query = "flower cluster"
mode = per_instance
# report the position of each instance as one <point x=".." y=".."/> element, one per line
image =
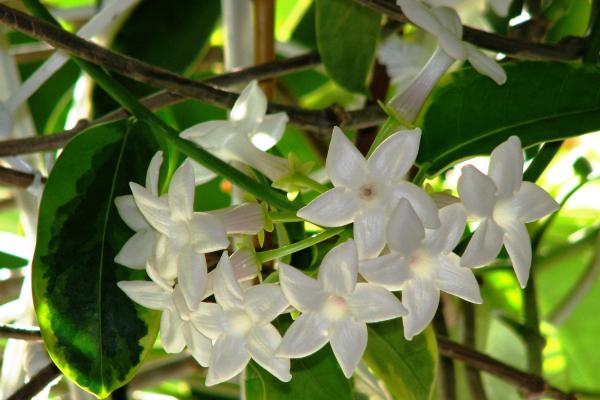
<point x="402" y="241"/>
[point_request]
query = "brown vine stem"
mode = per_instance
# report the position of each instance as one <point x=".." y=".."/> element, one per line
<point x="571" y="49"/>
<point x="264" y="39"/>
<point x="37" y="383"/>
<point x="316" y="120"/>
<point x="11" y="177"/>
<point x="159" y="100"/>
<point x="20" y="332"/>
<point x="533" y="386"/>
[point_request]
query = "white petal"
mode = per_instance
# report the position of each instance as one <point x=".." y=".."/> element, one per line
<point x="484" y="246"/>
<point x="155" y="210"/>
<point x="369" y="232"/>
<point x="477" y="192"/>
<point x="171" y="335"/>
<point x="531" y="202"/>
<point x="199" y="345"/>
<point x="227" y="289"/>
<point x="506" y="166"/>
<point x="167" y="257"/>
<point x="229" y="358"/>
<point x="335" y="207"/>
<point x="500" y="7"/>
<point x="405" y="231"/>
<point x="211" y="135"/>
<point x="136" y="251"/>
<point x="420" y="201"/>
<point x="338" y="271"/>
<point x="181" y="192"/>
<point x="345" y="165"/>
<point x="245" y="265"/>
<point x="305" y="336"/>
<point x="445" y="239"/>
<point x="389" y="271"/>
<point x="153" y="174"/>
<point x="264" y="302"/>
<point x="420" y="14"/>
<point x="154" y="273"/>
<point x="349" y="341"/>
<point x="146" y="293"/>
<point x="485" y="65"/>
<point x="246" y="219"/>
<point x="209" y="319"/>
<point x="202" y="174"/>
<point x="207" y="233"/>
<point x="452" y="45"/>
<point x="129" y="213"/>
<point x="457" y="280"/>
<point x="251" y="105"/>
<point x="191" y="275"/>
<point x="449" y="19"/>
<point x="373" y="303"/>
<point x="421" y="298"/>
<point x="392" y="159"/>
<point x="243" y="150"/>
<point x="270" y="131"/>
<point x="518" y="246"/>
<point x="303" y="292"/>
<point x="262" y="342"/>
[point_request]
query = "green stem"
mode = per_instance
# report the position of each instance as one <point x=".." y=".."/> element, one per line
<point x="310" y="183"/>
<point x="269" y="255"/>
<point x="422" y="174"/>
<point x="278" y="217"/>
<point x="131" y="104"/>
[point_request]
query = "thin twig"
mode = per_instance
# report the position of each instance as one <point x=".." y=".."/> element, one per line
<point x="571" y="49"/>
<point x="473" y="376"/>
<point x="447" y="381"/>
<point x="37" y="383"/>
<point x="533" y="386"/>
<point x="11" y="177"/>
<point x="20" y="332"/>
<point x="318" y="120"/>
<point x="159" y="100"/>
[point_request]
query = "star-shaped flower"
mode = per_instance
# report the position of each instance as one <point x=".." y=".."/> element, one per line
<point x="503" y="203"/>
<point x="176" y="328"/>
<point x="421" y="263"/>
<point x="366" y="191"/>
<point x="240" y="326"/>
<point x="445" y="24"/>
<point x="245" y="137"/>
<point x="334" y="308"/>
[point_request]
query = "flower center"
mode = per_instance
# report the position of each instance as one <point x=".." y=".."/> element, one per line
<point x="335" y="308"/>
<point x="239" y="322"/>
<point x="503" y="212"/>
<point x="367" y="191"/>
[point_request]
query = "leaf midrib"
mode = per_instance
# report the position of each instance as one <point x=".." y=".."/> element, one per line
<point x="102" y="249"/>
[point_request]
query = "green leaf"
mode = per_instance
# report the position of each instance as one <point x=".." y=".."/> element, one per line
<point x="468" y="114"/>
<point x="408" y="368"/>
<point x="347" y="35"/>
<point x="94" y="333"/>
<point x="11" y="261"/>
<point x="317" y="377"/>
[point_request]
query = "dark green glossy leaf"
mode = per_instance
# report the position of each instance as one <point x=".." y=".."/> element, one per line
<point x="11" y="261"/>
<point x="347" y="35"/>
<point x="408" y="368"/>
<point x="317" y="377"/>
<point x="469" y="115"/>
<point x="93" y="332"/>
<point x="171" y="34"/>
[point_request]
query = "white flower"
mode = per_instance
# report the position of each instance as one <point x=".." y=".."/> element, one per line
<point x="334" y="308"/>
<point x="445" y="24"/>
<point x="239" y="325"/>
<point x="421" y="263"/>
<point x="176" y="328"/>
<point x="366" y="191"/>
<point x="404" y="58"/>
<point x="142" y="244"/>
<point x="503" y="203"/>
<point x="245" y="137"/>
